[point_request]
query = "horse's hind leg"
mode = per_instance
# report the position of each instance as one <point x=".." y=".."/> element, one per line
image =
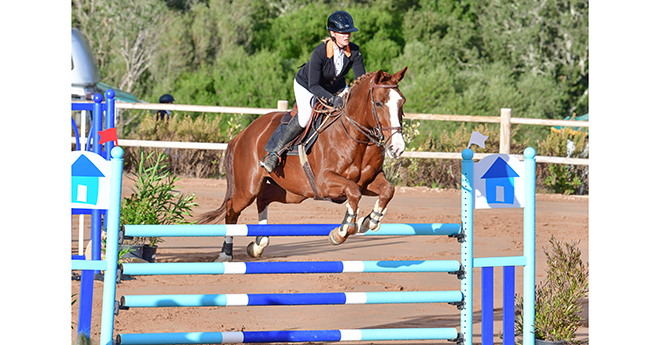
<point x="235" y="206"/>
<point x="270" y="192"/>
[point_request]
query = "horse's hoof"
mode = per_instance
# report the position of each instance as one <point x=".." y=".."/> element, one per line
<point x="253" y="250"/>
<point x="335" y="238"/>
<point x="224" y="258"/>
<point x="364" y="224"/>
<point x="361" y="226"/>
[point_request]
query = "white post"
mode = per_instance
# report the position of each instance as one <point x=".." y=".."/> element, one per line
<point x="505" y="131"/>
<point x="282" y="105"/>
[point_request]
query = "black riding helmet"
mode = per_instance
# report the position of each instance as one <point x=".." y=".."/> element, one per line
<point x="342" y="22"/>
<point x="166" y="98"/>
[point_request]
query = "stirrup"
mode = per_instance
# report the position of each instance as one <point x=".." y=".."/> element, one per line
<point x="263" y="160"/>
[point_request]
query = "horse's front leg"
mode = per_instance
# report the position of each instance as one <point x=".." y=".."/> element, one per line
<point x="256" y="248"/>
<point x="385" y="191"/>
<point x="349" y="224"/>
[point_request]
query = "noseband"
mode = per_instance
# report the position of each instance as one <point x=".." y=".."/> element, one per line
<point x="375" y="134"/>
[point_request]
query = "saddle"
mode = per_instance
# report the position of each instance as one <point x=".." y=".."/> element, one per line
<point x="307" y="137"/>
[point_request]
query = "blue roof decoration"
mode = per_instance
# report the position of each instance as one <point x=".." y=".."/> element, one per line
<point x="500" y="169"/>
<point x="84" y="167"/>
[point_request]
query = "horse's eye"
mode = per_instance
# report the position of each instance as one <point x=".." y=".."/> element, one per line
<point x="378" y="104"/>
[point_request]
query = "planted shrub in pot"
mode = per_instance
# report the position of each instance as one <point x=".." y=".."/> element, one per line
<point x="154" y="200"/>
<point x="558" y="299"/>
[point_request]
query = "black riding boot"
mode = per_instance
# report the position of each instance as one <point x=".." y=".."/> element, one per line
<point x="292" y="129"/>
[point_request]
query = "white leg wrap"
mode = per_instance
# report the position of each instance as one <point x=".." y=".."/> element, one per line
<point x="263" y="216"/>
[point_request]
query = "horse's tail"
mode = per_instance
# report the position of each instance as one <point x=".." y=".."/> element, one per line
<point x="218" y="215"/>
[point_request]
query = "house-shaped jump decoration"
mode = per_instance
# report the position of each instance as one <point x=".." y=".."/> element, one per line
<point x="498" y="182"/>
<point x="89" y="180"/>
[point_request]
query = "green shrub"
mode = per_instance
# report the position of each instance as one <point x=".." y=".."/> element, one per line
<point x="558" y="298"/>
<point x="154" y="199"/>
<point x="185" y="128"/>
<point x="563" y="178"/>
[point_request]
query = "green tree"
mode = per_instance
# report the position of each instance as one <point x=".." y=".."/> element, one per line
<point x="548" y="38"/>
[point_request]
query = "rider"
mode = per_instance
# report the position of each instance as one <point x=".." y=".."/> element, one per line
<point x="324" y="76"/>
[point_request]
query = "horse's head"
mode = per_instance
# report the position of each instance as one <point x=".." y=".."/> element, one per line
<point x="385" y="104"/>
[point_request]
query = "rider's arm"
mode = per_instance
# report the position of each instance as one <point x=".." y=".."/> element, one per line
<point x="358" y="63"/>
<point x="315" y="74"/>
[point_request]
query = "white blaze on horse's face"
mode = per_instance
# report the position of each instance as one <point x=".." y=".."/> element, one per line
<point x="396" y="145"/>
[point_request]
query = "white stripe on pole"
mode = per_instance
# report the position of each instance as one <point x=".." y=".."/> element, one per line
<point x="353" y="266"/>
<point x="235" y="267"/>
<point x="237" y="230"/>
<point x="350" y="334"/>
<point x="356" y="297"/>
<point x="237" y="299"/>
<point x="232" y="337"/>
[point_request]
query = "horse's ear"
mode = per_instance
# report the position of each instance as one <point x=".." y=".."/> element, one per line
<point x="378" y="76"/>
<point x="399" y="75"/>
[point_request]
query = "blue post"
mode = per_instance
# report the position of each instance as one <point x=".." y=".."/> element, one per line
<point x="467" y="208"/>
<point x="85" y="301"/>
<point x="487" y="296"/>
<point x="97" y="126"/>
<point x="109" y="119"/>
<point x="509" y="305"/>
<point x="529" y="246"/>
<point x="111" y="248"/>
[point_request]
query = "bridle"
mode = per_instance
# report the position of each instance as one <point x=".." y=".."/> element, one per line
<point x="374" y="135"/>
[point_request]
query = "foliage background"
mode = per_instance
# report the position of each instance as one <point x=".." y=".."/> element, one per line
<point x="467" y="57"/>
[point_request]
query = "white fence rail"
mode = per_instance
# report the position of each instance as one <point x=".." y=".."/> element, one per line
<point x="505" y="120"/>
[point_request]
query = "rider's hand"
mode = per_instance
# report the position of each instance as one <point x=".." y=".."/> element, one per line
<point x="337" y="101"/>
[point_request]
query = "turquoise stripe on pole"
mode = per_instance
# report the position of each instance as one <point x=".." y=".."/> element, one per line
<point x="467" y="216"/>
<point x="221" y="230"/>
<point x="408" y="334"/>
<point x="109" y="280"/>
<point x="529" y="250"/>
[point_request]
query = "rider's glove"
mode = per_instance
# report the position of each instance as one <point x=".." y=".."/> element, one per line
<point x="337" y="101"/>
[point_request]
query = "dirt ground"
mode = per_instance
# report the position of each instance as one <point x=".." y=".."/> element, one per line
<point x="496" y="233"/>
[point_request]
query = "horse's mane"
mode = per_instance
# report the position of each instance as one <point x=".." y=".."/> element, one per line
<point x="363" y="77"/>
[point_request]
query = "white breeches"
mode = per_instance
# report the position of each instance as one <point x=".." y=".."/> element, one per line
<point x="305" y="101"/>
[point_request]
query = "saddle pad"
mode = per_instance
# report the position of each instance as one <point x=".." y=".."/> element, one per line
<point x="309" y="139"/>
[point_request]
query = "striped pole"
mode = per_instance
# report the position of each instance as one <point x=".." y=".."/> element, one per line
<point x="289" y="336"/>
<point x="268" y="299"/>
<point x="467" y="218"/>
<point x="243" y="230"/>
<point x="177" y="268"/>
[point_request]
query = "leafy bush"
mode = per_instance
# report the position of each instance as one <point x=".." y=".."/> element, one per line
<point x="557" y="303"/>
<point x="204" y="128"/>
<point x="155" y="200"/>
<point x="562" y="178"/>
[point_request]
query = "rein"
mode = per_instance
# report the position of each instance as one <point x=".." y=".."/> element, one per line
<point x="374" y="135"/>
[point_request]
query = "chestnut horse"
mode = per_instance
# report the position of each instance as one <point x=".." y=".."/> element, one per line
<point x="346" y="162"/>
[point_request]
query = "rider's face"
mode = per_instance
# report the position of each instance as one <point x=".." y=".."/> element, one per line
<point x="341" y="39"/>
